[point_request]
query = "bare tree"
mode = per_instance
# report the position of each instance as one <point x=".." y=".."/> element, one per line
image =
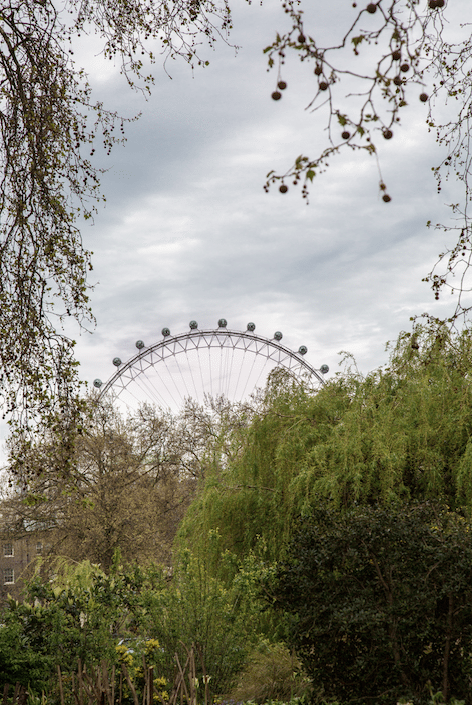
<point x="127" y="491"/>
<point x="132" y="479"/>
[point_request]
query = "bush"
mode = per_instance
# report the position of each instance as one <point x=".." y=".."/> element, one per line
<point x="19" y="663"/>
<point x="196" y="608"/>
<point x="273" y="673"/>
<point x="82" y="613"/>
<point x="79" y="614"/>
<point x="380" y="602"/>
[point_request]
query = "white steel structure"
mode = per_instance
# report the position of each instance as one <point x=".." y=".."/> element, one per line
<point x="198" y="362"/>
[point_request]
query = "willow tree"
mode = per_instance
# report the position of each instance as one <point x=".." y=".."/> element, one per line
<point x="399" y="435"/>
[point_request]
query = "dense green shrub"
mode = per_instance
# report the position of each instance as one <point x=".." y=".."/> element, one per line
<point x="380" y="602"/>
<point x="196" y="608"/>
<point x="273" y="673"/>
<point x="19" y="662"/>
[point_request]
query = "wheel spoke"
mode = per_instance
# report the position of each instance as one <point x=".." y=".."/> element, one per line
<point x="202" y="362"/>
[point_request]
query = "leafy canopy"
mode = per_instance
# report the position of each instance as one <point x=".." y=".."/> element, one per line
<point x="401" y="434"/>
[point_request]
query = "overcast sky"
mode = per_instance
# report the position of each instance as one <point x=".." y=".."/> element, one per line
<point x="189" y="233"/>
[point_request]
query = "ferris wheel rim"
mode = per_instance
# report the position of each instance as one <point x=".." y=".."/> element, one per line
<point x="217" y="339"/>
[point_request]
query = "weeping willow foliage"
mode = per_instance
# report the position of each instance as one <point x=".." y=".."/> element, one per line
<point x="400" y="434"/>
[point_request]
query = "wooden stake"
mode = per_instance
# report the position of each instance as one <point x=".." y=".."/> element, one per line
<point x="205" y="678"/>
<point x="151" y="684"/>
<point x="113" y="685"/>
<point x="61" y="692"/>
<point x="130" y="683"/>
<point x="182" y="681"/>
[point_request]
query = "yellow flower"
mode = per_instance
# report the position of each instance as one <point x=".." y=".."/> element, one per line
<point x="150" y="646"/>
<point x="160" y="682"/>
<point x="124" y="655"/>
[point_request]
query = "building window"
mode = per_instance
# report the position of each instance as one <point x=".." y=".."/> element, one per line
<point x="39" y="548"/>
<point x="8" y="576"/>
<point x="8" y="549"/>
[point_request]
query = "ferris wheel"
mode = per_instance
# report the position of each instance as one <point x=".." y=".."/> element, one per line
<point x="196" y="363"/>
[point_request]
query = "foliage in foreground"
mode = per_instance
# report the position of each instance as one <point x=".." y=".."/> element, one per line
<point x="375" y="60"/>
<point x="83" y="613"/>
<point x="380" y="601"/>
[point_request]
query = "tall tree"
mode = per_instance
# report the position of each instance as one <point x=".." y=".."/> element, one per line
<point x="130" y="492"/>
<point x="399" y="435"/>
<point x="49" y="127"/>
